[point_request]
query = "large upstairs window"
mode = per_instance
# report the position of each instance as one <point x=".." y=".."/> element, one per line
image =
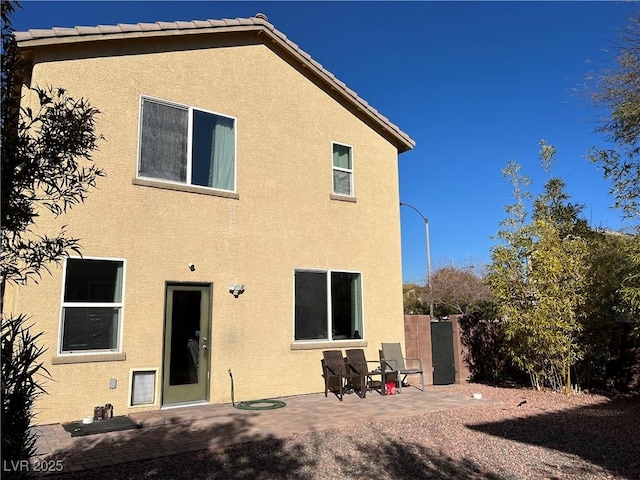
<point x="181" y="144"/>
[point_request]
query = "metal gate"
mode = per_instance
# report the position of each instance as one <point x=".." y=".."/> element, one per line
<point x="444" y="370"/>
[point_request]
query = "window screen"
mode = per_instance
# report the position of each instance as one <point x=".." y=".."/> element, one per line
<point x="163" y="149"/>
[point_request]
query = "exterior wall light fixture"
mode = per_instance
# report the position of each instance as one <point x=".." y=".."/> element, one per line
<point x="236" y="290"/>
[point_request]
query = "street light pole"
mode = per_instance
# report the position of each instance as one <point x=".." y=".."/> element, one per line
<point x="426" y="231"/>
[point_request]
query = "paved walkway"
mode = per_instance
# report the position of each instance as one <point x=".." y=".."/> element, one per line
<point x="212" y="427"/>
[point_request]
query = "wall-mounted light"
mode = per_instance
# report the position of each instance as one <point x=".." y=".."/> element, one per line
<point x="192" y="267"/>
<point x="236" y="290"/>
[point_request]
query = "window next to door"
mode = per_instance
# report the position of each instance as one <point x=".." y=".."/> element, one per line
<point x="92" y="304"/>
<point x="328" y="305"/>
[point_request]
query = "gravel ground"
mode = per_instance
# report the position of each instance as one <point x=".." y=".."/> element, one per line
<point x="549" y="436"/>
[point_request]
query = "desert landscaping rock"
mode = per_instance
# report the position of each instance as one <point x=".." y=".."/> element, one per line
<point x="551" y="436"/>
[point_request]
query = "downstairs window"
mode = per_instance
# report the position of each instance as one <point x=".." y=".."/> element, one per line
<point x="92" y="305"/>
<point x="328" y="305"/>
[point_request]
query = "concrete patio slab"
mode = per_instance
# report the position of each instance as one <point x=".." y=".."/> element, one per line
<point x="214" y="427"/>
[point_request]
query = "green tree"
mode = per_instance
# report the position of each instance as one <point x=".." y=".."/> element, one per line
<point x="630" y="288"/>
<point x="538" y="276"/>
<point x="46" y="167"/>
<point x="618" y="93"/>
<point x="608" y="267"/>
<point x="415" y="299"/>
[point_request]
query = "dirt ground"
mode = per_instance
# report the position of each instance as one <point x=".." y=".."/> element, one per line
<point x="521" y="434"/>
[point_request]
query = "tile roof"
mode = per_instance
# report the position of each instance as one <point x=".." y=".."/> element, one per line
<point x="37" y="37"/>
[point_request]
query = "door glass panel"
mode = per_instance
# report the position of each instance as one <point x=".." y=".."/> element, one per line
<point x="185" y="337"/>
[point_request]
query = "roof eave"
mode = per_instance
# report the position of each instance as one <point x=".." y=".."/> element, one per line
<point x="44" y="38"/>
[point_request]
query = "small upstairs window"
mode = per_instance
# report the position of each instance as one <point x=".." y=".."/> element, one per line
<point x="342" y="170"/>
<point x="185" y="145"/>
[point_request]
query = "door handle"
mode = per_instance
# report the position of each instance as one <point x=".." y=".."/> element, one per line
<point x="204" y="347"/>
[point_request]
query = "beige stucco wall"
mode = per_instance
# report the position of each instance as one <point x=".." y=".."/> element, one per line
<point x="284" y="218"/>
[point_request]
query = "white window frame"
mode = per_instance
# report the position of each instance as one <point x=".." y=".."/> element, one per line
<point x="190" y="111"/>
<point x="346" y="170"/>
<point x="119" y="305"/>
<point x="329" y="305"/>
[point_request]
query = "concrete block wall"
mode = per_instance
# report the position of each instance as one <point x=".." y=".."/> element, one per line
<point x="417" y="339"/>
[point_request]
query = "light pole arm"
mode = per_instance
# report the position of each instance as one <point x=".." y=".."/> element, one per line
<point x="426" y="231"/>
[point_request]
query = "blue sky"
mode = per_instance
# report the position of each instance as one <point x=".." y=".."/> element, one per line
<point x="475" y="84"/>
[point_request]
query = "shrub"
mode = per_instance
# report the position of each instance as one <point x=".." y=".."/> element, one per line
<point x="22" y="375"/>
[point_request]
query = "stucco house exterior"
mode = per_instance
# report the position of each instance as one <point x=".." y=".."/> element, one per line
<point x="248" y="220"/>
